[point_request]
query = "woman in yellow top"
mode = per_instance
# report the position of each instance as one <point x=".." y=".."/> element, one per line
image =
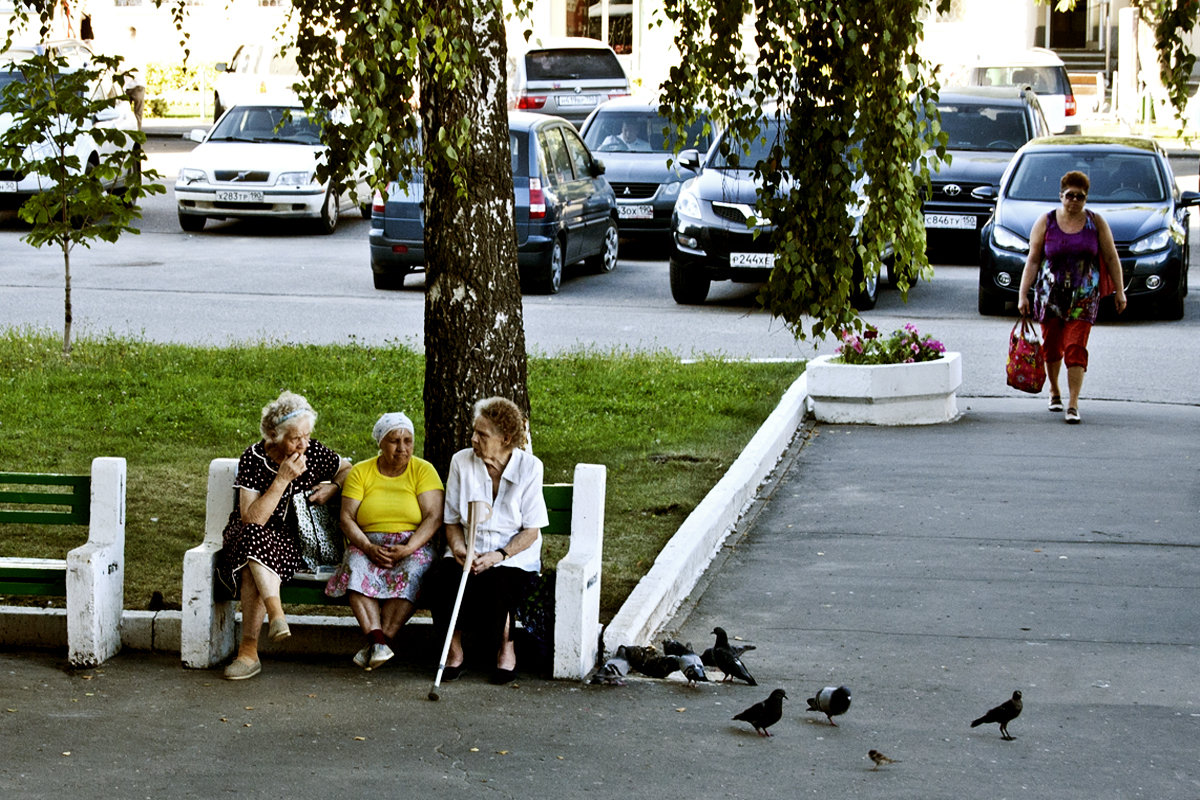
<point x="391" y="508"/>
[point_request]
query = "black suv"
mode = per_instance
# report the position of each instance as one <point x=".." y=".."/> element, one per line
<point x="986" y="126"/>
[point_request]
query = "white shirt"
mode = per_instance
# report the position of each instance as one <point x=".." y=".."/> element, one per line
<point x="519" y="504"/>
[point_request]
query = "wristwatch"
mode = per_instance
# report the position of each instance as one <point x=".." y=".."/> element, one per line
<point x="503" y="553"/>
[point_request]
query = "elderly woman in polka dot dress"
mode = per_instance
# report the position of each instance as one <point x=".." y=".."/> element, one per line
<point x="259" y="549"/>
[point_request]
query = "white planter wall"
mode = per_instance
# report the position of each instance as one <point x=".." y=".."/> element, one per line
<point x="922" y="393"/>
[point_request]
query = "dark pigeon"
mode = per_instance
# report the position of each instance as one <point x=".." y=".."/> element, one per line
<point x="765" y="714"/>
<point x="1004" y="713"/>
<point x="832" y="701"/>
<point x="726" y="660"/>
<point x="613" y="671"/>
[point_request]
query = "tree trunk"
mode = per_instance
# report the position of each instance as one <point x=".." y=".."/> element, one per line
<point x="474" y="328"/>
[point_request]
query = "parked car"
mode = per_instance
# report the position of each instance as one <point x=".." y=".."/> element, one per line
<point x="566" y="76"/>
<point x="256" y="73"/>
<point x="713" y="227"/>
<point x="1134" y="189"/>
<point x="640" y="161"/>
<point x="18" y="185"/>
<point x="986" y="126"/>
<point x="1039" y="69"/>
<point x="565" y="210"/>
<point x="260" y="161"/>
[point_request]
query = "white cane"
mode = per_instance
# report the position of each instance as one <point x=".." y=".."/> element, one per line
<point x="477" y="512"/>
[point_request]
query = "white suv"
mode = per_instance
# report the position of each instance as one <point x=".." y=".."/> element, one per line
<point x="255" y="74"/>
<point x="1039" y="69"/>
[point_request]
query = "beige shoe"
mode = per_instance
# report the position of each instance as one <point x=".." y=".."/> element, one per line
<point x="240" y="670"/>
<point x="279" y="630"/>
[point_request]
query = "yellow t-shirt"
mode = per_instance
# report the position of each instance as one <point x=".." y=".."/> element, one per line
<point x="389" y="505"/>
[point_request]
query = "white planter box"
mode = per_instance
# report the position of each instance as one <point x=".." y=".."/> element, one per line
<point x="922" y="393"/>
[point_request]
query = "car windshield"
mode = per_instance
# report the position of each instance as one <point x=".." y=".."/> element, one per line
<point x="642" y="132"/>
<point x="984" y="127"/>
<point x="571" y="64"/>
<point x="1115" y="177"/>
<point x="266" y="124"/>
<point x="732" y="153"/>
<point x="1043" y="80"/>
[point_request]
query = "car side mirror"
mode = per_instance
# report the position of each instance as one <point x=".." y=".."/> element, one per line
<point x="196" y="135"/>
<point x="597" y="168"/>
<point x="221" y="66"/>
<point x="1189" y="199"/>
<point x="690" y="159"/>
<point x="988" y="193"/>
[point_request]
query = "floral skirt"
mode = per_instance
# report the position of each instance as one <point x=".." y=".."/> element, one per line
<point x="358" y="573"/>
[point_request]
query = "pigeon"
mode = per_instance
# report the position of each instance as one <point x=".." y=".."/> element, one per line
<point x="832" y="701"/>
<point x="880" y="759"/>
<point x="726" y="660"/>
<point x="1004" y="713"/>
<point x="613" y="671"/>
<point x="637" y="656"/>
<point x="692" y="668"/>
<point x="671" y="647"/>
<point x="659" y="666"/>
<point x="766" y="713"/>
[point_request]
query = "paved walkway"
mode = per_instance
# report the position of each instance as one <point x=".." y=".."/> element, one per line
<point x="932" y="570"/>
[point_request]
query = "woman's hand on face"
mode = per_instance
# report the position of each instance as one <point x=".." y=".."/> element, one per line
<point x="322" y="493"/>
<point x="293" y="467"/>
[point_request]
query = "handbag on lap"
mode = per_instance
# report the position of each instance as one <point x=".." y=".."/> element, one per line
<point x="319" y="537"/>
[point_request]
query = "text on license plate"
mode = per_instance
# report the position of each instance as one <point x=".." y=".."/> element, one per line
<point x="635" y="211"/>
<point x="239" y="197"/>
<point x="758" y="260"/>
<point x="962" y="222"/>
<point x="8" y="186"/>
<point x="577" y="100"/>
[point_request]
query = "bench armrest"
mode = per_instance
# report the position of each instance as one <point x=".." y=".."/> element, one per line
<point x="96" y="571"/>
<point x="207" y="628"/>
<point x="577" y="591"/>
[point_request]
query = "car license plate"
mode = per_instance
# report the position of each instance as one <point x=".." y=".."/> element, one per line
<point x="239" y="197"/>
<point x="959" y="222"/>
<point x="755" y="260"/>
<point x="577" y="100"/>
<point x="8" y="186"/>
<point x="635" y="211"/>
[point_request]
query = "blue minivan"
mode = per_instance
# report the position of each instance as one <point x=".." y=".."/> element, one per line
<point x="566" y="210"/>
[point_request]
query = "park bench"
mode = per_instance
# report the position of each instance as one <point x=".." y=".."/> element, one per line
<point x="92" y="576"/>
<point x="208" y="627"/>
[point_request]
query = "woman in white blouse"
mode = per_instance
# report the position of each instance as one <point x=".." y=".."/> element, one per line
<point x="508" y="544"/>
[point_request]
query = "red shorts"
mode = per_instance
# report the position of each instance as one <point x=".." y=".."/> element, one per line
<point x="1066" y="340"/>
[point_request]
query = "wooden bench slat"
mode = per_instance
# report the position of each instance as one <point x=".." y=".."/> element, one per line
<point x="47" y="588"/>
<point x="74" y="506"/>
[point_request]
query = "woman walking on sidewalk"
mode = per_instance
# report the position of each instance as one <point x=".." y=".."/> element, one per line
<point x="1072" y="263"/>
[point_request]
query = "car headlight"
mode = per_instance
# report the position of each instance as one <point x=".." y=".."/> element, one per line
<point x="1155" y="241"/>
<point x="1007" y="240"/>
<point x="688" y="205"/>
<point x="671" y="189"/>
<point x="188" y="175"/>
<point x="294" y="179"/>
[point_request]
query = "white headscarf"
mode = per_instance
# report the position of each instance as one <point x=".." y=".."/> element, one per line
<point x="390" y="422"/>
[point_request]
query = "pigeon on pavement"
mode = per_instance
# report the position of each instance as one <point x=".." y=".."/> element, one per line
<point x="692" y="668"/>
<point x="1004" y="713"/>
<point x="764" y="714"/>
<point x="880" y="759"/>
<point x="832" y="701"/>
<point x="614" y="670"/>
<point x="726" y="660"/>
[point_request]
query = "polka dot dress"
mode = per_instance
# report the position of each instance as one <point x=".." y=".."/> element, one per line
<point x="273" y="544"/>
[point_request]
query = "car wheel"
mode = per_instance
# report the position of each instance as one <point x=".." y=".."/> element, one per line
<point x="866" y="292"/>
<point x="606" y="259"/>
<point x="1171" y="305"/>
<point x="688" y="290"/>
<point x="388" y="280"/>
<point x="550" y="280"/>
<point x="893" y="275"/>
<point x="192" y="223"/>
<point x="990" y="304"/>
<point x="365" y="210"/>
<point x="329" y="213"/>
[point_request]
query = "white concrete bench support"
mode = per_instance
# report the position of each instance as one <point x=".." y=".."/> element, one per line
<point x="577" y="586"/>
<point x="96" y="571"/>
<point x="207" y="628"/>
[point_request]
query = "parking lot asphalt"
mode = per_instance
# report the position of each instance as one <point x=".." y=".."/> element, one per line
<point x="933" y="570"/>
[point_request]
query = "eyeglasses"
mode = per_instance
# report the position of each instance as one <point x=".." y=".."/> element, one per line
<point x="1075" y="195"/>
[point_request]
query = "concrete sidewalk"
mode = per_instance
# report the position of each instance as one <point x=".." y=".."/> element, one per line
<point x="933" y="570"/>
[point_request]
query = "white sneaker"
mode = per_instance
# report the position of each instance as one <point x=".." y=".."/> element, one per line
<point x="380" y="654"/>
<point x="362" y="657"/>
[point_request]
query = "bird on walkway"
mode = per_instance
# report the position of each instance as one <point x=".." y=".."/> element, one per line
<point x="832" y="701"/>
<point x="1004" y="713"/>
<point x="726" y="660"/>
<point x="766" y="713"/>
<point x="613" y="671"/>
<point x="673" y="647"/>
<point x="657" y="665"/>
<point x="689" y="663"/>
<point x="638" y="655"/>
<point x="880" y="759"/>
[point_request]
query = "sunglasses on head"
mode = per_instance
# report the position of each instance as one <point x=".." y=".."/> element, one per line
<point x="1075" y="195"/>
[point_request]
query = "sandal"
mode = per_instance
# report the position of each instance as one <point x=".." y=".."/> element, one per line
<point x="1073" y="416"/>
<point x="1055" y="404"/>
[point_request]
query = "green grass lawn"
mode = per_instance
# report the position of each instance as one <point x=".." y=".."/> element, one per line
<point x="666" y="430"/>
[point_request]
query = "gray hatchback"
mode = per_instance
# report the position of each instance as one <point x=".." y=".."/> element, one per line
<point x="567" y="77"/>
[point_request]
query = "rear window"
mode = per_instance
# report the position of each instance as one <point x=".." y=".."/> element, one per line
<point x="984" y="127"/>
<point x="1044" y="80"/>
<point x="571" y="64"/>
<point x="1115" y="177"/>
<point x="642" y="132"/>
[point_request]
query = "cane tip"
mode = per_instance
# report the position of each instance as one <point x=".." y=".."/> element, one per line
<point x="433" y="695"/>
